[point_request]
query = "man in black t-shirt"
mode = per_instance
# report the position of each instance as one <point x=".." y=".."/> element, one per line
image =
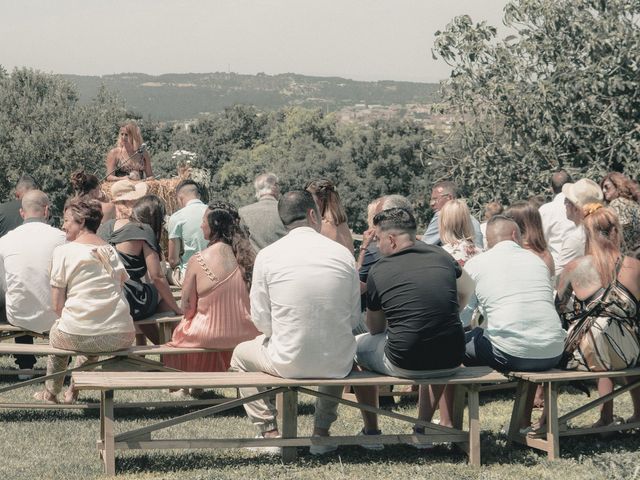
<point x="414" y="294"/>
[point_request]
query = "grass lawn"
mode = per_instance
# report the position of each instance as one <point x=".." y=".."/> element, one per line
<point x="44" y="444"/>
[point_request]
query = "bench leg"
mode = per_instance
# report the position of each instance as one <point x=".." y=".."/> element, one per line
<point x="459" y="400"/>
<point x="287" y="405"/>
<point x="519" y="405"/>
<point x="553" y="431"/>
<point x="107" y="433"/>
<point x="474" y="425"/>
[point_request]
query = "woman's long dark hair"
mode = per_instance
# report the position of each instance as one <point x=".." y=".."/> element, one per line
<point x="150" y="210"/>
<point x="224" y="223"/>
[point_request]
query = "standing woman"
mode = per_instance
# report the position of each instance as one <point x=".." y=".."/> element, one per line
<point x="215" y="295"/>
<point x="86" y="284"/>
<point x="136" y="237"/>
<point x="622" y="195"/>
<point x="530" y="223"/>
<point x="334" y="218"/>
<point x="129" y="159"/>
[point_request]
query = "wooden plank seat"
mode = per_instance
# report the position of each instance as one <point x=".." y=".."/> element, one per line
<point x="548" y="438"/>
<point x="466" y="381"/>
<point x="165" y="322"/>
<point x="8" y="331"/>
<point x="132" y="358"/>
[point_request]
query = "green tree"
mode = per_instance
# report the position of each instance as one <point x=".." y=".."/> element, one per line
<point x="561" y="92"/>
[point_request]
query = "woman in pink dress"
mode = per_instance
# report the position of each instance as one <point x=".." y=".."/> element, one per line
<point x="215" y="294"/>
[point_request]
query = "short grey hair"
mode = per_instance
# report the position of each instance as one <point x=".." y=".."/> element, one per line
<point x="266" y="184"/>
<point x="397" y="201"/>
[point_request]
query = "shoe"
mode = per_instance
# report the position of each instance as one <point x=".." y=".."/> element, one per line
<point x="421" y="444"/>
<point x="25" y="377"/>
<point x="46" y="397"/>
<point x="70" y="396"/>
<point x="196" y="392"/>
<point x="322" y="449"/>
<point x="266" y="450"/>
<point x="371" y="446"/>
<point x="179" y="393"/>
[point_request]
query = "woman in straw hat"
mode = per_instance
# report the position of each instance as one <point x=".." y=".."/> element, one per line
<point x="136" y="233"/>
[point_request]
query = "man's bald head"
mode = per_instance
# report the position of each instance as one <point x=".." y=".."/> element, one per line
<point x="501" y="228"/>
<point x="35" y="204"/>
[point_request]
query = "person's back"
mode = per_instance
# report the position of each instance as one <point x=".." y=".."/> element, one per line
<point x="513" y="289"/>
<point x="25" y="258"/>
<point x="185" y="232"/>
<point x="307" y="286"/>
<point x="261" y="217"/>
<point x="419" y="320"/>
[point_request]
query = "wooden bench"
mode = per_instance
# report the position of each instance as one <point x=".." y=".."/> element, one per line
<point x="548" y="439"/>
<point x="132" y="358"/>
<point x="8" y="331"/>
<point x="466" y="381"/>
<point x="165" y="322"/>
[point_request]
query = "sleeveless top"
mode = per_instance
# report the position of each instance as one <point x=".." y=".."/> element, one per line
<point x="124" y="166"/>
<point x="223" y="315"/>
<point x="142" y="297"/>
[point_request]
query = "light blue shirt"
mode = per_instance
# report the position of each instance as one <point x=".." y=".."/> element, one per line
<point x="185" y="225"/>
<point x="515" y="293"/>
<point x="432" y="235"/>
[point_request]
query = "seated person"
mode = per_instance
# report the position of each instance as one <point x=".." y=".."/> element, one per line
<point x="86" y="279"/>
<point x="185" y="234"/>
<point x="523" y="331"/>
<point x="602" y="287"/>
<point x="334" y="217"/>
<point x="136" y="237"/>
<point x="414" y="293"/>
<point x="129" y="158"/>
<point x="25" y="260"/>
<point x="215" y="296"/>
<point x="305" y="299"/>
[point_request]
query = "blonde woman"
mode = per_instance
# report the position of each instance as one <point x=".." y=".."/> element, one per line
<point x="456" y="231"/>
<point x="334" y="218"/>
<point x="129" y="158"/>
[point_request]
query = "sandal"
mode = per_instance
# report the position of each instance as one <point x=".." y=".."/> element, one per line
<point x="46" y="396"/>
<point x="70" y="396"/>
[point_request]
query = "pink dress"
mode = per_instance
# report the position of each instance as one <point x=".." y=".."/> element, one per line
<point x="222" y="320"/>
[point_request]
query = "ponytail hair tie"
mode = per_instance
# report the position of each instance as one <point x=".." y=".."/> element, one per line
<point x="589" y="208"/>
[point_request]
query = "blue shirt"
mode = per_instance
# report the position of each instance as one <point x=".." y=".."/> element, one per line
<point x="185" y="225"/>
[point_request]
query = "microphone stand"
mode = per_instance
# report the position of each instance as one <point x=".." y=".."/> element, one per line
<point x="141" y="149"/>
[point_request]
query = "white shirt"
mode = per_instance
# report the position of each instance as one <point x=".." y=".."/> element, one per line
<point x="25" y="261"/>
<point x="556" y="227"/>
<point x="305" y="298"/>
<point x="515" y="294"/>
<point x="92" y="277"/>
<point x="572" y="247"/>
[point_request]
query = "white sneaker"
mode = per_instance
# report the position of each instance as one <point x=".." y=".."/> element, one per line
<point x="321" y="449"/>
<point x="266" y="450"/>
<point x="25" y="377"/>
<point x="371" y="446"/>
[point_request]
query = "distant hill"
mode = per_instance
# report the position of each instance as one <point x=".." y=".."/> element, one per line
<point x="187" y="96"/>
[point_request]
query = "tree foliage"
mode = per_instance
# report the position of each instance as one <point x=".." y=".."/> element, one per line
<point x="562" y="91"/>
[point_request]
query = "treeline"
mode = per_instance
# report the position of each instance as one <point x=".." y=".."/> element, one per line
<point x="562" y="92"/>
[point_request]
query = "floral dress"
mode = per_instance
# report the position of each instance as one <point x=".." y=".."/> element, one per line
<point x="462" y="251"/>
<point x="628" y="212"/>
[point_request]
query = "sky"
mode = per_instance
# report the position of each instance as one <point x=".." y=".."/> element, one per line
<point x="356" y="39"/>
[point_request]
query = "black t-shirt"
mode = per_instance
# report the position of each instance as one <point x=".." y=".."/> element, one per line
<point x="10" y="217"/>
<point x="416" y="289"/>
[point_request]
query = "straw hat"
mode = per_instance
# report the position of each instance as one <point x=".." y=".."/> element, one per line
<point x="125" y="190"/>
<point x="582" y="192"/>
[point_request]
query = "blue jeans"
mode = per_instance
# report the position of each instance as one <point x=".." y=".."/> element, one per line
<point x="480" y="351"/>
<point x="370" y="355"/>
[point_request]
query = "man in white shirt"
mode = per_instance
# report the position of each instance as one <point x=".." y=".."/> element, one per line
<point x="555" y="224"/>
<point x="577" y="195"/>
<point x="25" y="260"/>
<point x="305" y="299"/>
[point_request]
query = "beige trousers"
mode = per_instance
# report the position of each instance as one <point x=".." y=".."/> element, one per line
<point x="252" y="356"/>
